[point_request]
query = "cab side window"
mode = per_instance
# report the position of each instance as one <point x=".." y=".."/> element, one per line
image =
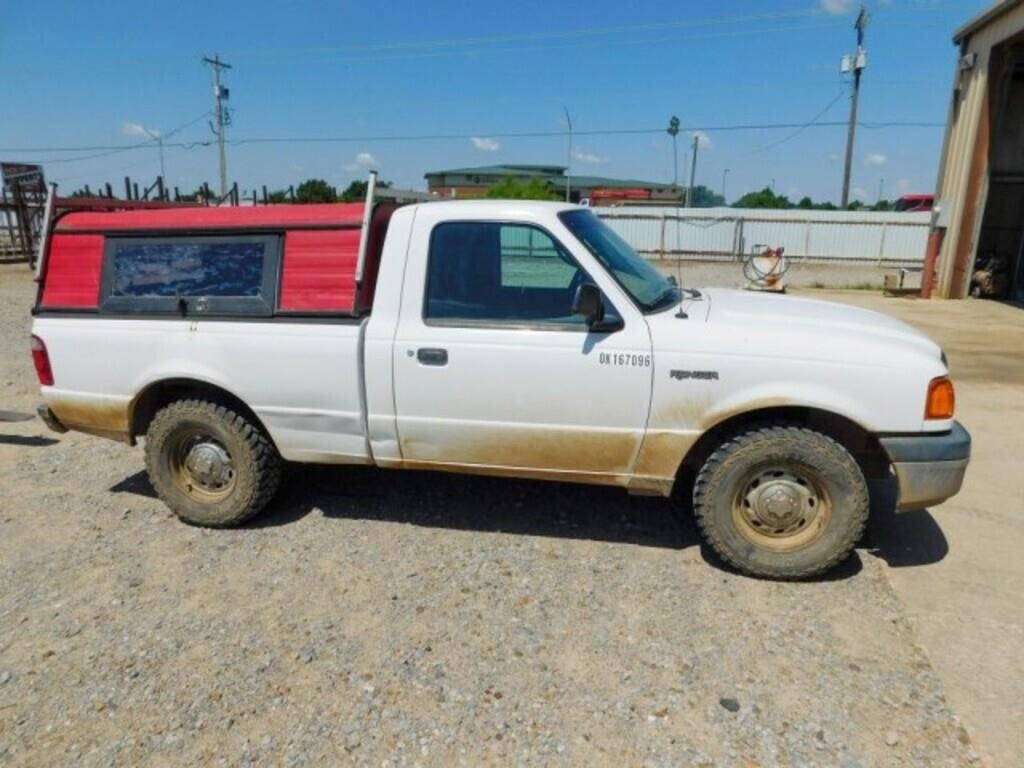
<point x="493" y="273"/>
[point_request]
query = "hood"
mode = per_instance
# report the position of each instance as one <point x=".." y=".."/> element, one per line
<point x="788" y="315"/>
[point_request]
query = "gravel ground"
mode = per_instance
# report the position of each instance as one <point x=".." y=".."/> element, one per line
<point x="417" y="619"/>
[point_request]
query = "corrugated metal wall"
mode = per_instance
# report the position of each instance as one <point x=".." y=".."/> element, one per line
<point x="722" y="234"/>
<point x="964" y="201"/>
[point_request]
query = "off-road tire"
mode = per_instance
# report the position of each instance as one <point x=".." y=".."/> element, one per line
<point x="720" y="485"/>
<point x="255" y="463"/>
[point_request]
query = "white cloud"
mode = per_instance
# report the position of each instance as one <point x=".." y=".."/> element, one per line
<point x="837" y="7"/>
<point x="859" y="193"/>
<point x="138" y="129"/>
<point x="703" y="140"/>
<point x="876" y="159"/>
<point x="363" y="160"/>
<point x="485" y="144"/>
<point x="588" y="157"/>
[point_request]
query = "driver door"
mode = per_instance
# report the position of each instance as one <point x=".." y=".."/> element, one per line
<point x="494" y="371"/>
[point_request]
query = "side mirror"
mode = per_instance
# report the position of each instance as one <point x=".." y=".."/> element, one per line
<point x="589" y="303"/>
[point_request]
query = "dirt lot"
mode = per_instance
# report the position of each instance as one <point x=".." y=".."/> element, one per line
<point x="408" y="618"/>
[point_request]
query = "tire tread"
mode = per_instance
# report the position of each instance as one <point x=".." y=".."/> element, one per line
<point x="775" y="434"/>
<point x="265" y="460"/>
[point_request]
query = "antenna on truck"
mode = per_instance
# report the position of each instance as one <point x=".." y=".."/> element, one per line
<point x="364" y="236"/>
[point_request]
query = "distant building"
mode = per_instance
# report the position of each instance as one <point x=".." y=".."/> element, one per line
<point x="980" y="195"/>
<point x="474" y="182"/>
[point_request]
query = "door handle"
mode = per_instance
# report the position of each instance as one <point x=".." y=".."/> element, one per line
<point x="432" y="356"/>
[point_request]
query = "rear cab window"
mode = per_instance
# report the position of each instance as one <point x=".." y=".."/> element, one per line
<point x="193" y="274"/>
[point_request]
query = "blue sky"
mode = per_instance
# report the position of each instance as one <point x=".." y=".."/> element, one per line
<point x="87" y="74"/>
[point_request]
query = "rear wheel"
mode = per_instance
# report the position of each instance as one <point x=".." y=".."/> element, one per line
<point x="209" y="464"/>
<point x="781" y="502"/>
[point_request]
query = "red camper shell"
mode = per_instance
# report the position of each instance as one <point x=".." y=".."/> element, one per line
<point x="319" y="250"/>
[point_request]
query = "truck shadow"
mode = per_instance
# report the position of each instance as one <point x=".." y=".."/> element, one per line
<point x="559" y="510"/>
<point x="472" y="503"/>
<point x="902" y="539"/>
<point x="498" y="505"/>
<point x="27" y="441"/>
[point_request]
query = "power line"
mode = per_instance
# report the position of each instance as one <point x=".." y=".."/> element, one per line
<point x="105" y="151"/>
<point x="555" y="133"/>
<point x="535" y="36"/>
<point x="813" y="121"/>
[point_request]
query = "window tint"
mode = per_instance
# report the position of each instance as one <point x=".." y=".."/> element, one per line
<point x="530" y="259"/>
<point x="650" y="289"/>
<point x="194" y="275"/>
<point x="189" y="269"/>
<point x="493" y="272"/>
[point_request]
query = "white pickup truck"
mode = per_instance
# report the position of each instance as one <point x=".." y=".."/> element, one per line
<point x="507" y="338"/>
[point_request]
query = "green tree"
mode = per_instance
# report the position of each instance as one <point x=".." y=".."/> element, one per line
<point x="315" y="191"/>
<point x="882" y="205"/>
<point x="764" y="198"/>
<point x="809" y="205"/>
<point x="356" y="191"/>
<point x="703" y="197"/>
<point x="510" y="188"/>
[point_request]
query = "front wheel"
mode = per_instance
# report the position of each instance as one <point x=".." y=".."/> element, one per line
<point x="781" y="502"/>
<point x="209" y="464"/>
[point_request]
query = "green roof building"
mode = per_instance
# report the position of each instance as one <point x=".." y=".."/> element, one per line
<point x="474" y="182"/>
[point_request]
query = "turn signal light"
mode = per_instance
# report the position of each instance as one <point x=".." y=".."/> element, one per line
<point x="41" y="358"/>
<point x="941" y="399"/>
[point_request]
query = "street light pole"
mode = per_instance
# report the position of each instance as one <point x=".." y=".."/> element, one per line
<point x="724" y="174"/>
<point x="673" y="131"/>
<point x="568" y="166"/>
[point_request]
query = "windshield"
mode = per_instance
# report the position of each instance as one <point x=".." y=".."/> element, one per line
<point x="649" y="289"/>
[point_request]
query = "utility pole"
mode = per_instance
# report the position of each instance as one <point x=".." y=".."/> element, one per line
<point x="220" y="95"/>
<point x="568" y="165"/>
<point x="856" y="63"/>
<point x="724" y="174"/>
<point x="673" y="131"/>
<point x="693" y="170"/>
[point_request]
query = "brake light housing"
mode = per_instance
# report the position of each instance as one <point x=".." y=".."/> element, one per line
<point x="41" y="358"/>
<point x="941" y="400"/>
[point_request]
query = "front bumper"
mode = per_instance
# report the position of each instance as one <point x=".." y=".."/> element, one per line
<point x="929" y="468"/>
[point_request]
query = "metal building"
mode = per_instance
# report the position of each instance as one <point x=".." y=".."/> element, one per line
<point x="981" y="177"/>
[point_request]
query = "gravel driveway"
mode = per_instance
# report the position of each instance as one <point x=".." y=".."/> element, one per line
<point x="418" y="619"/>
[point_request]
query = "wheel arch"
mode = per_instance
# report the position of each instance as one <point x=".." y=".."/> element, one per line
<point x="859" y="441"/>
<point x="145" y="405"/>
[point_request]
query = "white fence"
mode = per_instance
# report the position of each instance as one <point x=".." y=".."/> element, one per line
<point x="723" y="234"/>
